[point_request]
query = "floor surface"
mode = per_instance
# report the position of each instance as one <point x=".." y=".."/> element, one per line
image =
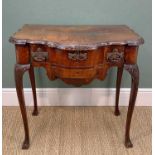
<point x="77" y="131"/>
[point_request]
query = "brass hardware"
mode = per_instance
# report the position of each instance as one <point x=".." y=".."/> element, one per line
<point x="115" y="56"/>
<point x="78" y="55"/>
<point x="40" y="55"/>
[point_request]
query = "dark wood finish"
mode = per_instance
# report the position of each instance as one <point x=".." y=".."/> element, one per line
<point x="76" y="55"/>
<point x="82" y="37"/>
<point x="134" y="72"/>
<point x="118" y="85"/>
<point x="32" y="80"/>
<point x="19" y="71"/>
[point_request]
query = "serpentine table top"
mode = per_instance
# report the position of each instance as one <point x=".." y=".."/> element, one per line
<point x="83" y="37"/>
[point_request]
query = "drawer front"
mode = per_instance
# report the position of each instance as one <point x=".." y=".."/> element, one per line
<point x="74" y="73"/>
<point x="65" y="58"/>
<point x="112" y="55"/>
<point x="72" y="59"/>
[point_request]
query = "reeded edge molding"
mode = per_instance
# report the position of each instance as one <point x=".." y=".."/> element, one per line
<point x="74" y="46"/>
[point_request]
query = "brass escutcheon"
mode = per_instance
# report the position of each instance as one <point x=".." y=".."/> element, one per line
<point x="78" y="55"/>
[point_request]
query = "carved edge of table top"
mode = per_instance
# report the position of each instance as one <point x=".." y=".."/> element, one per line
<point x="76" y="47"/>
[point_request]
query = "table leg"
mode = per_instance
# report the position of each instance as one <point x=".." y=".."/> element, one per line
<point x="134" y="72"/>
<point x="19" y="71"/>
<point x="32" y="80"/>
<point x="118" y="84"/>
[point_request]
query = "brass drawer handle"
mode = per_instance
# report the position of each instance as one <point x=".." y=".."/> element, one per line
<point x="115" y="56"/>
<point x="78" y="55"/>
<point x="40" y="55"/>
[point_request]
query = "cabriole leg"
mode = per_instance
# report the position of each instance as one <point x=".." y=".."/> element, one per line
<point x="32" y="80"/>
<point x="19" y="71"/>
<point x="118" y="84"/>
<point x="134" y="72"/>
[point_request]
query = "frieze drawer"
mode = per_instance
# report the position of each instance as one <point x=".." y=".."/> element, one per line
<point x="72" y="59"/>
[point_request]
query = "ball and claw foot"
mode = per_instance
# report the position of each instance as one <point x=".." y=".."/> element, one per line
<point x="117" y="112"/>
<point x="35" y="112"/>
<point x="128" y="144"/>
<point x="25" y="145"/>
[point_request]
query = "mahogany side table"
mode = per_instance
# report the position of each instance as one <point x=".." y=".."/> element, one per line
<point x="77" y="55"/>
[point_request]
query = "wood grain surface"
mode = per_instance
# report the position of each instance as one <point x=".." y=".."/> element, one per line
<point x="81" y="37"/>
